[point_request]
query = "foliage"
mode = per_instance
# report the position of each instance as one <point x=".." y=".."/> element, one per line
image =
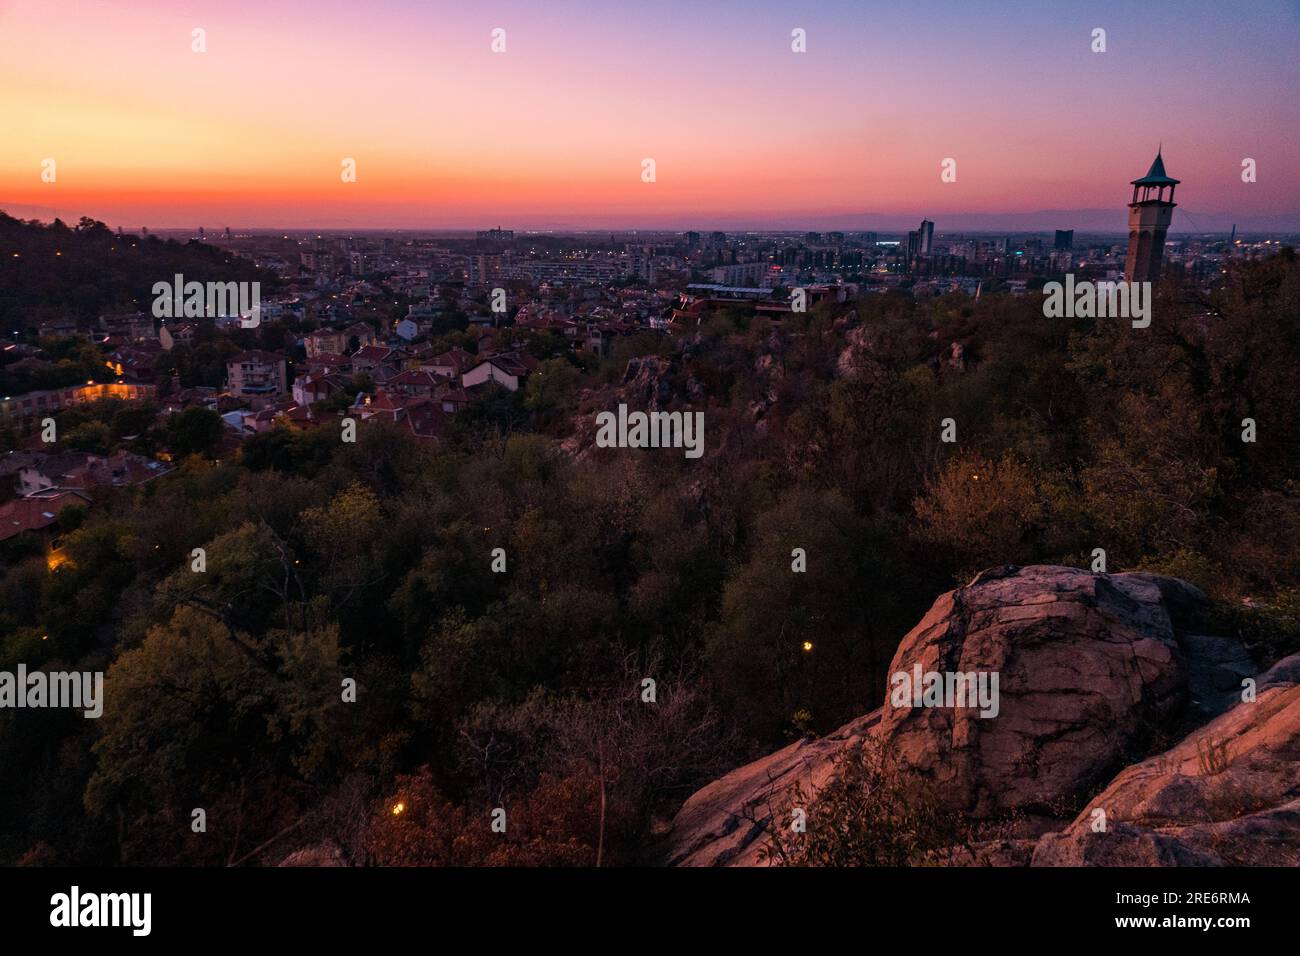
<point x="521" y="687"/>
<point x="868" y="814"/>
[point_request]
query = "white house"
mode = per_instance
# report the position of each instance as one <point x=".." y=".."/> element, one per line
<point x="508" y="370"/>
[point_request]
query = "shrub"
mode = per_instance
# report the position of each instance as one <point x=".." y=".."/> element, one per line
<point x="868" y="815"/>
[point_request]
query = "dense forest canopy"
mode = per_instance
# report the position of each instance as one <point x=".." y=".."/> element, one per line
<point x="523" y="689"/>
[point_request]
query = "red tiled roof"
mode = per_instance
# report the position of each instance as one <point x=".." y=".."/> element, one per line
<point x="32" y="514"/>
<point x="379" y="353"/>
<point x="383" y="402"/>
<point x="458" y="395"/>
<point x="512" y="363"/>
<point x="457" y="358"/>
<point x="427" y="421"/>
<point x="298" y="413"/>
<point x="332" y="359"/>
<point x="416" y="378"/>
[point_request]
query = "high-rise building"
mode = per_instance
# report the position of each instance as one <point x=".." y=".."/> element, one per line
<point x="913" y="248"/>
<point x="927" y="237"/>
<point x="740" y="274"/>
<point x="1064" y="240"/>
<point x="1149" y="215"/>
<point x="484" y="269"/>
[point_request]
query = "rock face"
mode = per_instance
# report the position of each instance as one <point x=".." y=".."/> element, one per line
<point x="1088" y="668"/>
<point x="646" y="382"/>
<point x="1094" y="672"/>
<point x="1228" y="794"/>
<point x="647" y="385"/>
<point x="722" y="824"/>
<point x="319" y="854"/>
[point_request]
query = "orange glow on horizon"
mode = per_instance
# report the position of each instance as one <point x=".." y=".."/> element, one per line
<point x="252" y="131"/>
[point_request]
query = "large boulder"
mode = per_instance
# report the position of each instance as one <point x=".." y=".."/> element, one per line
<point x="1089" y="671"/>
<point x="1228" y="794"/>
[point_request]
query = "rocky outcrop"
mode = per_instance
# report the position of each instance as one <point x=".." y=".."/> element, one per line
<point x="722" y="824"/>
<point x="1094" y="672"/>
<point x="318" y="854"/>
<point x="1088" y="669"/>
<point x="1228" y="794"/>
<point x="649" y="383"/>
<point x="1285" y="671"/>
<point x="856" y="354"/>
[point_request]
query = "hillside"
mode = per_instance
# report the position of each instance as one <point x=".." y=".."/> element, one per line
<point x="763" y="588"/>
<point x="55" y="270"/>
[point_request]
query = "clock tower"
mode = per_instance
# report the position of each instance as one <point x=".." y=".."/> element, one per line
<point x="1149" y="215"/>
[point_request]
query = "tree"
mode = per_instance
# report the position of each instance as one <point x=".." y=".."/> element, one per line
<point x="201" y="712"/>
<point x="813" y="641"/>
<point x="194" y="431"/>
<point x="91" y="436"/>
<point x="550" y="387"/>
<point x="978" y="513"/>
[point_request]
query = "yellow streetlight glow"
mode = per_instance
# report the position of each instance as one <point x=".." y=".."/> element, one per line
<point x="398" y="809"/>
<point x="807" y="645"/>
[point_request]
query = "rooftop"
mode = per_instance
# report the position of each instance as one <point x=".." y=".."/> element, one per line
<point x="1156" y="175"/>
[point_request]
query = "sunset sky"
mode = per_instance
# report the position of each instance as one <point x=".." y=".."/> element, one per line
<point x="447" y="134"/>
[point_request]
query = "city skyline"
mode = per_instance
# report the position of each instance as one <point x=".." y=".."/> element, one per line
<point x="551" y="133"/>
